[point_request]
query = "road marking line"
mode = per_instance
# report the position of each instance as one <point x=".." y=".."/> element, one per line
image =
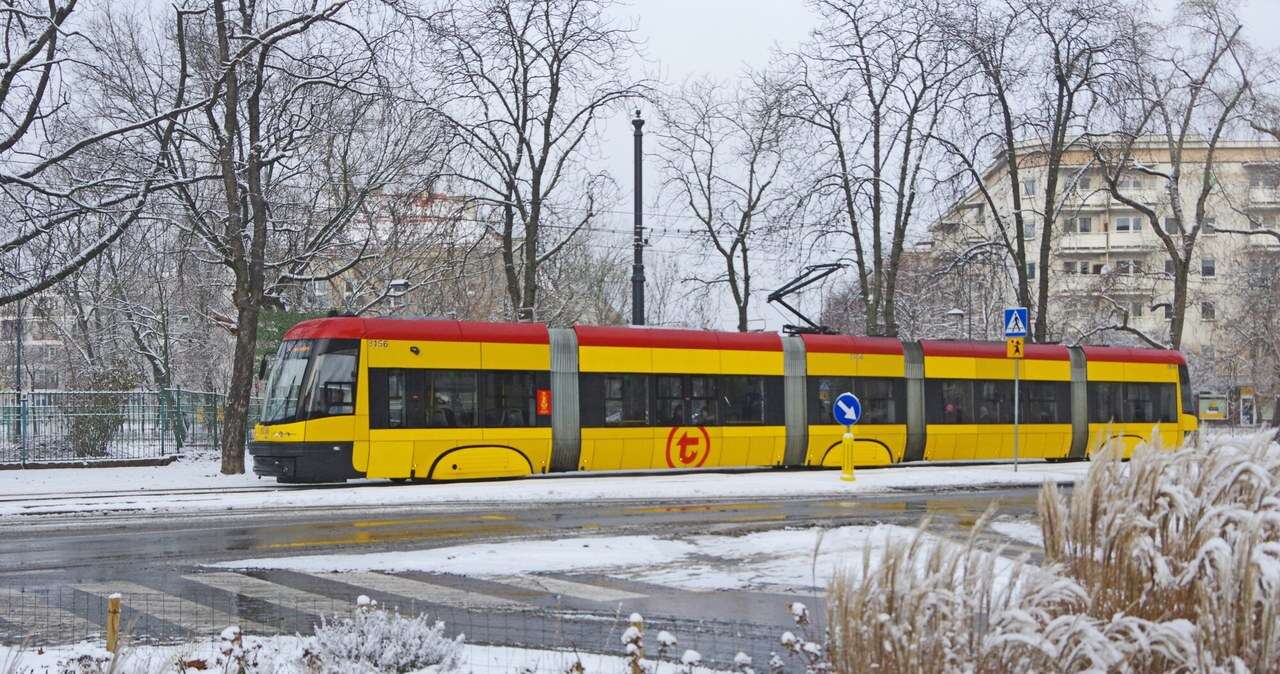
<point x="568" y="588"/>
<point x="185" y="613"/>
<point x="419" y="590"/>
<point x="41" y="621"/>
<point x="265" y="590"/>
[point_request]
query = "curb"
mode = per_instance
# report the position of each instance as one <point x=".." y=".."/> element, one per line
<point x="87" y="463"/>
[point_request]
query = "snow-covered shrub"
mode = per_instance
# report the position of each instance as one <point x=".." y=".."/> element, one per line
<point x="1187" y="541"/>
<point x="1170" y="562"/>
<point x="374" y="640"/>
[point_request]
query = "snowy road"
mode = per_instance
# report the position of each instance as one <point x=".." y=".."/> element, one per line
<point x="542" y="570"/>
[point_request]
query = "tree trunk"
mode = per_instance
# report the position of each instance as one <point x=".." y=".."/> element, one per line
<point x="1179" y="303"/>
<point x="236" y="421"/>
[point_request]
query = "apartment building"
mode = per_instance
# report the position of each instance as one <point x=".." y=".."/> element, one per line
<point x="1108" y="266"/>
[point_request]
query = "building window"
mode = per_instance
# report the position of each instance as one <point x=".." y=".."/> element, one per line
<point x="1097" y="268"/>
<point x="1207" y="267"/>
<point x="1029" y="187"/>
<point x="1208" y="312"/>
<point x="1135" y="308"/>
<point x="1168" y="311"/>
<point x="1168" y="267"/>
<point x="1210" y="225"/>
<point x="1031" y="270"/>
<point x="1029" y="230"/>
<point x="1131" y="181"/>
<point x="1171" y="226"/>
<point x="1082" y="224"/>
<point x="1129" y="223"/>
<point x="1264" y="178"/>
<point x="1069" y="266"/>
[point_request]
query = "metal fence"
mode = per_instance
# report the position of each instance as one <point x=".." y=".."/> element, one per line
<point x="66" y="615"/>
<point x="46" y="426"/>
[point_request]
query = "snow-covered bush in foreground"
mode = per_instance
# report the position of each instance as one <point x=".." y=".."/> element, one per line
<point x="374" y="640"/>
<point x="1169" y="562"/>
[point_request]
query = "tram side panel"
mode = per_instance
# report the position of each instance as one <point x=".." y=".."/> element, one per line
<point x="872" y="369"/>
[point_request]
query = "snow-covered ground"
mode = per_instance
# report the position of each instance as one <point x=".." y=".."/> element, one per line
<point x="163" y="659"/>
<point x="781" y="560"/>
<point x="152" y="489"/>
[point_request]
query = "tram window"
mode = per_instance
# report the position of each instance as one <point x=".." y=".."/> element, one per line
<point x="386" y="398"/>
<point x="670" y="398"/>
<point x="950" y="401"/>
<point x="395" y="399"/>
<point x="451" y="399"/>
<point x="1188" y="398"/>
<point x="742" y="400"/>
<point x="1166" y="402"/>
<point x="701" y="406"/>
<point x="1044" y="402"/>
<point x="883" y="400"/>
<point x="822" y="394"/>
<point x="1105" y="402"/>
<point x="626" y="399"/>
<point x="1139" y="404"/>
<point x="333" y="379"/>
<point x="510" y="399"/>
<point x="993" y="402"/>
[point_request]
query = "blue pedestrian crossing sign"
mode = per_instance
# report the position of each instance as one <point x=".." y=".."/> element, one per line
<point x="847" y="409"/>
<point x="1015" y="322"/>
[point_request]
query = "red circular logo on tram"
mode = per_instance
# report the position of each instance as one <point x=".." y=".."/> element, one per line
<point x="688" y="446"/>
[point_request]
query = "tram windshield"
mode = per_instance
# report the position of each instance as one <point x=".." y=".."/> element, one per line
<point x="310" y="379"/>
<point x="284" y="387"/>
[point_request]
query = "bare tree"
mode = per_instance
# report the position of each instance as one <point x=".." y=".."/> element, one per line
<point x="300" y="128"/>
<point x="1040" y="64"/>
<point x="526" y="83"/>
<point x="77" y="173"/>
<point x="1186" y="101"/>
<point x="722" y="151"/>
<point x="870" y="91"/>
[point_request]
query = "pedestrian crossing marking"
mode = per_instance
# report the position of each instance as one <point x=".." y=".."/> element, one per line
<point x="569" y="588"/>
<point x="419" y="590"/>
<point x="256" y="588"/>
<point x="185" y="613"/>
<point x="41" y="621"/>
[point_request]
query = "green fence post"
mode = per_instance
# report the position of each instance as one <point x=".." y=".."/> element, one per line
<point x="22" y="428"/>
<point x="164" y="418"/>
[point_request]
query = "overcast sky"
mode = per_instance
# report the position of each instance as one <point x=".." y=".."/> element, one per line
<point x="723" y="39"/>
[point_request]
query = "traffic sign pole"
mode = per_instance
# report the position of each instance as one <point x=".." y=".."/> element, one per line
<point x="1015" y="332"/>
<point x="1017" y="372"/>
<point x="846" y="472"/>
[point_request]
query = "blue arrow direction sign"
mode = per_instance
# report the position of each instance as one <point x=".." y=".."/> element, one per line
<point x="847" y="409"/>
<point x="1015" y="322"/>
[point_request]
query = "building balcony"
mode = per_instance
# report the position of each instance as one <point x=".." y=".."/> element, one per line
<point x="1093" y="241"/>
<point x="1264" y="195"/>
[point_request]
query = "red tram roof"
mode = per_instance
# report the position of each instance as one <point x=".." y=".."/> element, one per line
<point x="1128" y="354"/>
<point x="354" y="327"/>
<point x="850" y="344"/>
<point x="992" y="350"/>
<point x="597" y="335"/>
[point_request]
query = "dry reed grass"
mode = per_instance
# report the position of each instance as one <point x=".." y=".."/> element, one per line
<point x="1168" y="562"/>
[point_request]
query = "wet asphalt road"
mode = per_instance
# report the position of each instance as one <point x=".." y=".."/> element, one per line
<point x="111" y="547"/>
<point x="57" y="563"/>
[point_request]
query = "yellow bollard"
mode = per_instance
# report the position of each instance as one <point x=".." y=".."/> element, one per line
<point x="846" y="445"/>
<point x="113" y="622"/>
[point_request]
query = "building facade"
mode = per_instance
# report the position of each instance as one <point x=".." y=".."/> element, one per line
<point x="1111" y="277"/>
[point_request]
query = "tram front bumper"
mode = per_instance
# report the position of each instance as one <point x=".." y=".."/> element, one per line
<point x="298" y="462"/>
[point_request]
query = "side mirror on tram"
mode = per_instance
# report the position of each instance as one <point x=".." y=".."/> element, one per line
<point x="262" y="368"/>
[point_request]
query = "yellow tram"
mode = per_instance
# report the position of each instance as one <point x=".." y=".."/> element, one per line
<point x="445" y="400"/>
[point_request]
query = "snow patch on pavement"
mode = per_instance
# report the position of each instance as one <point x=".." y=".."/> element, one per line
<point x="1020" y="530"/>
<point x="778" y="560"/>
<point x="96" y="490"/>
